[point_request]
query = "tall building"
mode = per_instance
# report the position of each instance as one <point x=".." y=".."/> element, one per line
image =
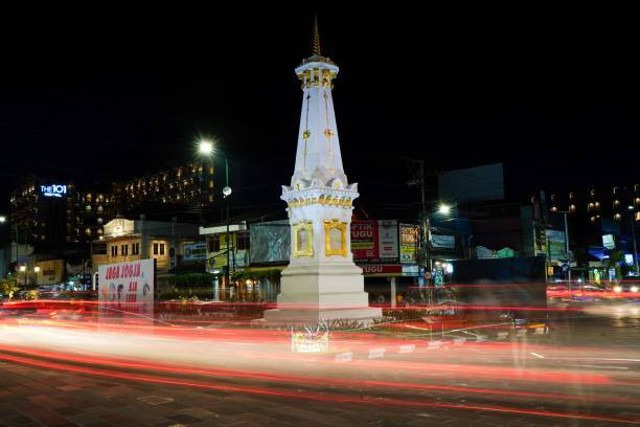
<point x="59" y="218"/>
<point x="54" y="215"/>
<point x="599" y="221"/>
<point x="187" y="190"/>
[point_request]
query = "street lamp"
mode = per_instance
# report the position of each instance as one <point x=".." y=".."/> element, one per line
<point x="206" y="148"/>
<point x="226" y="192"/>
<point x="568" y="252"/>
<point x="443" y="209"/>
<point x="633" y="236"/>
<point x="36" y="270"/>
<point x="566" y="240"/>
<point x="23" y="270"/>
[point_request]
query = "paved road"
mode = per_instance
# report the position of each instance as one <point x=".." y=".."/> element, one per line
<point x="570" y="378"/>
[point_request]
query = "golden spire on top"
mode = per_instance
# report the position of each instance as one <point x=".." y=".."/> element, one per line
<point x="316" y="38"/>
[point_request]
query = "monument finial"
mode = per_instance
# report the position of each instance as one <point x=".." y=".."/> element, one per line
<point x="316" y="38"/>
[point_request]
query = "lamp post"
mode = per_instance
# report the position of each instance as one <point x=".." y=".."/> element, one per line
<point x="3" y="220"/>
<point x="633" y="236"/>
<point x="226" y="192"/>
<point x="205" y="147"/>
<point x="566" y="241"/>
<point x="23" y="270"/>
<point x="36" y="270"/>
<point x="443" y="209"/>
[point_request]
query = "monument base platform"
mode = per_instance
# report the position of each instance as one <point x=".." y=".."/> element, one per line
<point x="313" y="294"/>
<point x="359" y="317"/>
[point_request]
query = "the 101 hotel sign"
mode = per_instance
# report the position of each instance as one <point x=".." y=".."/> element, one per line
<point x="53" y="190"/>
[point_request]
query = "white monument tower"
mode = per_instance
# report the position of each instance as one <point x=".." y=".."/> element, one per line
<point x="321" y="282"/>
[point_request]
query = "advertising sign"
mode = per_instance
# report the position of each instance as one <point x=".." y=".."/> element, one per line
<point x="270" y="242"/>
<point x="443" y="241"/>
<point x="409" y="243"/>
<point x="195" y="252"/>
<point x="375" y="241"/>
<point x="50" y="272"/>
<point x="53" y="190"/>
<point x="127" y="287"/>
<point x="557" y="245"/>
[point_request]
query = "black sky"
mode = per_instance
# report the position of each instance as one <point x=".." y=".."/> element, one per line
<point x="105" y="95"/>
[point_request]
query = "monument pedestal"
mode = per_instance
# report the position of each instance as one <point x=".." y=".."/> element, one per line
<point x="313" y="294"/>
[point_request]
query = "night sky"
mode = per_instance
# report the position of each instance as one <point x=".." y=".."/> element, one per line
<point x="97" y="96"/>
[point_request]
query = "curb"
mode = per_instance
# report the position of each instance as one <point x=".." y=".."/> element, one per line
<point x="380" y="352"/>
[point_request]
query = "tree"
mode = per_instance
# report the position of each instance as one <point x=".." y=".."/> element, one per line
<point x="8" y="287"/>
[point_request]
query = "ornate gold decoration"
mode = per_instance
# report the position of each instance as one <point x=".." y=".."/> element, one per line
<point x="306" y="134"/>
<point x="303" y="239"/>
<point x="335" y="237"/>
<point x="323" y="200"/>
<point x="317" y="77"/>
<point x="326" y="77"/>
<point x="328" y="133"/>
<point x="316" y="38"/>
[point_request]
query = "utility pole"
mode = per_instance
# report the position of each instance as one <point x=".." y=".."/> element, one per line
<point x="633" y="236"/>
<point x="566" y="239"/>
<point x="424" y="254"/>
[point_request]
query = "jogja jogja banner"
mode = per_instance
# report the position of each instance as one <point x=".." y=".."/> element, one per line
<point x="127" y="287"/>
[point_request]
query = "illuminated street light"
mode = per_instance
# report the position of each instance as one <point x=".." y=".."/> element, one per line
<point x="443" y="209"/>
<point x="23" y="270"/>
<point x="206" y="148"/>
<point x="36" y="270"/>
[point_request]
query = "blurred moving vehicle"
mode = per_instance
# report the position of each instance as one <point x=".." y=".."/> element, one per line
<point x="627" y="288"/>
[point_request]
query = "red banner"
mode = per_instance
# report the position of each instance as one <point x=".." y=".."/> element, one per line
<point x="374" y="241"/>
<point x="371" y="269"/>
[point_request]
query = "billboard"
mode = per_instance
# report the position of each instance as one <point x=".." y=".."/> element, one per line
<point x="270" y="242"/>
<point x="409" y="243"/>
<point x="195" y="252"/>
<point x="443" y="241"/>
<point x="127" y="287"/>
<point x="375" y="241"/>
<point x="479" y="183"/>
<point x="557" y="245"/>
